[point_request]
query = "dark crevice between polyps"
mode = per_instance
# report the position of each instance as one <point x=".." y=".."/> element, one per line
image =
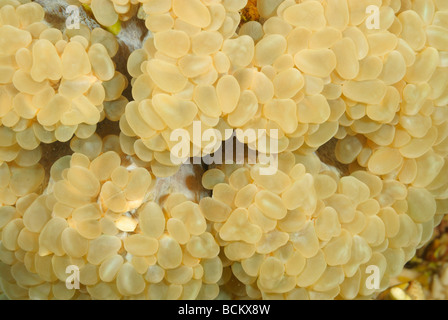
<point x="327" y="155"/>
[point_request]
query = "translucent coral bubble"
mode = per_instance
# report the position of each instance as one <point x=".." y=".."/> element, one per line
<point x="173" y="43"/>
<point x="310" y="61"/>
<point x="195" y="12"/>
<point x="101" y="62"/>
<point x="269" y="49"/>
<point x="240" y="51"/>
<point x="12" y="39"/>
<point x="167" y="76"/>
<point x="104" y="12"/>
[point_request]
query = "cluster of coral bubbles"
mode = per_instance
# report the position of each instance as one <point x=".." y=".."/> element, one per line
<point x="374" y="99"/>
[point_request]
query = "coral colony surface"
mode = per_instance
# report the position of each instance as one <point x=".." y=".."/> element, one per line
<point x="223" y="149"/>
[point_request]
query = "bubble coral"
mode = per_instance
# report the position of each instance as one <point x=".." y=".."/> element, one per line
<point x="54" y="85"/>
<point x="109" y="12"/>
<point x="314" y="71"/>
<point x="103" y="216"/>
<point x="176" y="77"/>
<point x="317" y="245"/>
<point x="374" y="99"/>
<point x="309" y="79"/>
